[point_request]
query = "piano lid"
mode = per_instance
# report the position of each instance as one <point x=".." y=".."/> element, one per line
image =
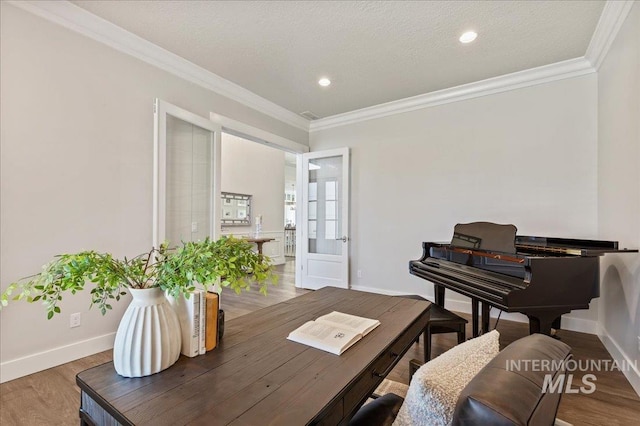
<point x="577" y="247"/>
<point x="502" y="239"/>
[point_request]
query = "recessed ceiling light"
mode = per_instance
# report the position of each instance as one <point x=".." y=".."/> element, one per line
<point x="468" y="37"/>
<point x="324" y="82"/>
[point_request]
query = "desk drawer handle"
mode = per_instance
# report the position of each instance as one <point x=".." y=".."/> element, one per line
<point x="390" y="367"/>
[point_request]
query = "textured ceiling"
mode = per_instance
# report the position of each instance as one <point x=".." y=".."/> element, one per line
<point x="374" y="52"/>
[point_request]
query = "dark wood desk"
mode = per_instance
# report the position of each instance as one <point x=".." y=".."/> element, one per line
<point x="257" y="377"/>
<point x="259" y="242"/>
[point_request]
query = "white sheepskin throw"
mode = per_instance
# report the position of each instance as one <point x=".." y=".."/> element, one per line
<point x="435" y="387"/>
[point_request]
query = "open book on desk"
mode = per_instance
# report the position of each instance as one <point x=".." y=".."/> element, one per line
<point x="335" y="332"/>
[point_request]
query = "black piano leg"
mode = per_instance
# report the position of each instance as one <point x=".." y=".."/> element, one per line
<point x="555" y="326"/>
<point x="539" y="326"/>
<point x="439" y="293"/>
<point x="474" y="317"/>
<point x="543" y="321"/>
<point x="485" y="318"/>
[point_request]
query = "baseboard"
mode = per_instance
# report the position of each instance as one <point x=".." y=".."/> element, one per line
<point x="30" y="364"/>
<point x="383" y="291"/>
<point x="631" y="373"/>
<point x="464" y="306"/>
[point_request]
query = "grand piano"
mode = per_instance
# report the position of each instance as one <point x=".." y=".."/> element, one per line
<point x="541" y="277"/>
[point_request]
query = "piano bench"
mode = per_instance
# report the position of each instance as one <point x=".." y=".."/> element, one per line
<point x="440" y="321"/>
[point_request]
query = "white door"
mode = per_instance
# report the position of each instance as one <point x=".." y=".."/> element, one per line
<point x="324" y="240"/>
<point x="186" y="176"/>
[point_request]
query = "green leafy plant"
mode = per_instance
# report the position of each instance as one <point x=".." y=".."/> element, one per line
<point x="230" y="261"/>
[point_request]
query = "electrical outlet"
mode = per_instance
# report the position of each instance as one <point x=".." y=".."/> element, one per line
<point x="74" y="320"/>
<point x="194" y="226"/>
<point x="359" y="273"/>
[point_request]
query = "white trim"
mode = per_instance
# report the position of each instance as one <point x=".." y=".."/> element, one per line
<point x="40" y="361"/>
<point x="611" y="20"/>
<point x="618" y="355"/>
<point x="79" y="20"/>
<point x="531" y="77"/>
<point x="299" y="240"/>
<point x="382" y="291"/>
<point x="245" y="131"/>
<point x="579" y="324"/>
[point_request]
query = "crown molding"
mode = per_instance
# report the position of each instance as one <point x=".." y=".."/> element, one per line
<point x="531" y="77"/>
<point x="610" y="22"/>
<point x="79" y="20"/>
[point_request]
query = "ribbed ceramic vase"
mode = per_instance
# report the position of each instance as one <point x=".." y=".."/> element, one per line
<point x="148" y="338"/>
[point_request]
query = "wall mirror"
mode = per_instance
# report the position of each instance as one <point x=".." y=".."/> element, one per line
<point x="236" y="209"/>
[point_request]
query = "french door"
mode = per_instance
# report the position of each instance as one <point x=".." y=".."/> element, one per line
<point x="186" y="176"/>
<point x="324" y="240"/>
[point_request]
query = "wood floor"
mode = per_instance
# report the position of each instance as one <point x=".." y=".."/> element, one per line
<point x="52" y="398"/>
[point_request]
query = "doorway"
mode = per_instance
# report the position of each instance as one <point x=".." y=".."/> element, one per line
<point x="255" y="172"/>
<point x="259" y="137"/>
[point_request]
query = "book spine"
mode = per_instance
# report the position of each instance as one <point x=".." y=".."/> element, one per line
<point x="202" y="318"/>
<point x="195" y="337"/>
<point x="187" y="309"/>
<point x="211" y="326"/>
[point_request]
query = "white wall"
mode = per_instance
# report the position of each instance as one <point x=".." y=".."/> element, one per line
<point x="76" y="171"/>
<point x="619" y="192"/>
<point x="526" y="157"/>
<point x="257" y="170"/>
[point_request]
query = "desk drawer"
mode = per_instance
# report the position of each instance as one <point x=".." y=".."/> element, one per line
<point x="380" y="368"/>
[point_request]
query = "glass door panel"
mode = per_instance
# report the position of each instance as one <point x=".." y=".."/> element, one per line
<point x="325" y="231"/>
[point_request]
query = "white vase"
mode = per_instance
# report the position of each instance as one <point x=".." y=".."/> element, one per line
<point x="148" y="338"/>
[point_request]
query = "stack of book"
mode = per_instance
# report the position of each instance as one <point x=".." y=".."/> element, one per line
<point x="198" y="315"/>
